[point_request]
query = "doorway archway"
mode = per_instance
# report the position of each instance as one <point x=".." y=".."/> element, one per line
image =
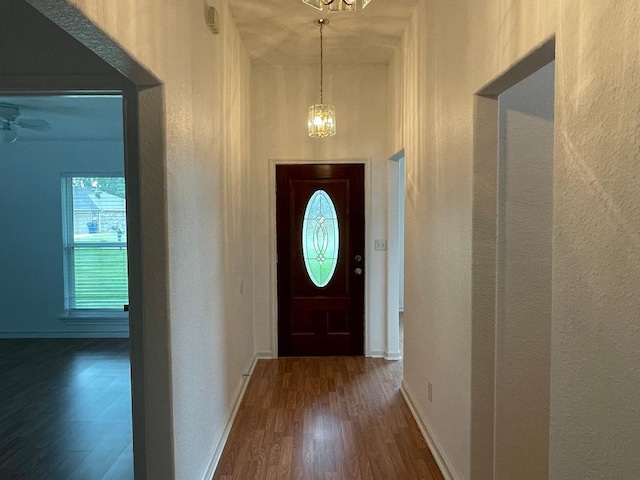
<point x="54" y="48"/>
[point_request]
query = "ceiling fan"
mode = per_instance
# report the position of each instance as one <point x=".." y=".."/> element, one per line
<point x="10" y="122"/>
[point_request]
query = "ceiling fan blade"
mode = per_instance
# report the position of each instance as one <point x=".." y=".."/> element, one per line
<point x="34" y="124"/>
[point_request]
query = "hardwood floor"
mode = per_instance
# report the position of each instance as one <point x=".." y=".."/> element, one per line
<point x="65" y="410"/>
<point x="336" y="418"/>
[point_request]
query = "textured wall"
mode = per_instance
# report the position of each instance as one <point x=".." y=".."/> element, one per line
<point x="281" y="96"/>
<point x="206" y="86"/>
<point x="430" y="116"/>
<point x="32" y="283"/>
<point x="49" y="49"/>
<point x="450" y="51"/>
<point x="523" y="323"/>
<point x="595" y="378"/>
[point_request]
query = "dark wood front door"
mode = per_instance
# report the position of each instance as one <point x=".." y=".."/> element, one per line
<point x="320" y="228"/>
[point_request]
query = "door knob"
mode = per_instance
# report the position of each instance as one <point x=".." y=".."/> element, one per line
<point x="358" y="258"/>
<point x="358" y="271"/>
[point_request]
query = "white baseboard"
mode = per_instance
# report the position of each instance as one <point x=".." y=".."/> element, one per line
<point x="448" y="472"/>
<point x="393" y="356"/>
<point x="266" y="355"/>
<point x="14" y="335"/>
<point x="382" y="354"/>
<point x="376" y="354"/>
<point x="235" y="406"/>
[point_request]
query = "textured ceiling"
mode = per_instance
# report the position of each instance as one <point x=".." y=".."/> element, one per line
<point x="72" y="117"/>
<point x="282" y="31"/>
<point x="273" y="31"/>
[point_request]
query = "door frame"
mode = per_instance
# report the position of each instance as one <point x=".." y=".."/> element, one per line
<point x="485" y="273"/>
<point x="52" y="85"/>
<point x="273" y="244"/>
<point x="145" y="175"/>
<point x="395" y="269"/>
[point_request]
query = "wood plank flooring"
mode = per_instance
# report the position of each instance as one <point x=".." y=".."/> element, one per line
<point x="336" y="418"/>
<point x="65" y="410"/>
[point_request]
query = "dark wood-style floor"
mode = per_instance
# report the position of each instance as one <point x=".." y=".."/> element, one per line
<point x="65" y="410"/>
<point x="325" y="419"/>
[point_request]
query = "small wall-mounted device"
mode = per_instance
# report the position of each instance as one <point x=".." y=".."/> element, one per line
<point x="380" y="244"/>
<point x="212" y="19"/>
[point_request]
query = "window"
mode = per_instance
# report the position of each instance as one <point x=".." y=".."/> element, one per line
<point x="320" y="238"/>
<point x="95" y="243"/>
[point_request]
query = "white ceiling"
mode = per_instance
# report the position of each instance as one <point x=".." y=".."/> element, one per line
<point x="282" y="31"/>
<point x="72" y="117"/>
<point x="273" y="31"/>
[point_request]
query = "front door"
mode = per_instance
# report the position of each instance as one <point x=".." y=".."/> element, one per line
<point x="320" y="235"/>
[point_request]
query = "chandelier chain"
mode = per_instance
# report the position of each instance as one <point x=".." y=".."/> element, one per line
<point x="321" y="62"/>
<point x="321" y="120"/>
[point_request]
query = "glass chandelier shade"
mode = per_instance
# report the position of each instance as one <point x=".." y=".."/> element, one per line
<point x="322" y="117"/>
<point x="322" y="121"/>
<point x="336" y="5"/>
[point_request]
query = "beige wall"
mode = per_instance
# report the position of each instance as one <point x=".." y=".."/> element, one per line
<point x="524" y="253"/>
<point x="432" y="120"/>
<point x="595" y="376"/>
<point x="281" y="96"/>
<point x="206" y="85"/>
<point x="451" y="50"/>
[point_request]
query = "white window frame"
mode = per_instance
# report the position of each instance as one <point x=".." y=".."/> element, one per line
<point x="110" y="315"/>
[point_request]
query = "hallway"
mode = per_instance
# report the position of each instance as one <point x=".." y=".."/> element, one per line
<point x="217" y="96"/>
<point x="333" y="418"/>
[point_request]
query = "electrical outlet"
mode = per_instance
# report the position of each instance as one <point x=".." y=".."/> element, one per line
<point x="430" y="391"/>
<point x="380" y="244"/>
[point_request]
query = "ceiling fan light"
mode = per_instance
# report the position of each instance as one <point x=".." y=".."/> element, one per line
<point x="7" y="134"/>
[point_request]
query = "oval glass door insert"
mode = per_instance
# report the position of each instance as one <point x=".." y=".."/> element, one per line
<point x="320" y="238"/>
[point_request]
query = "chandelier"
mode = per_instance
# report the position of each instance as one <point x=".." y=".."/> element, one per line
<point x="336" y="5"/>
<point x="322" y="118"/>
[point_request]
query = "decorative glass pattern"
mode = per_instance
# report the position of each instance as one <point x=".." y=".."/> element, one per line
<point x="320" y="238"/>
